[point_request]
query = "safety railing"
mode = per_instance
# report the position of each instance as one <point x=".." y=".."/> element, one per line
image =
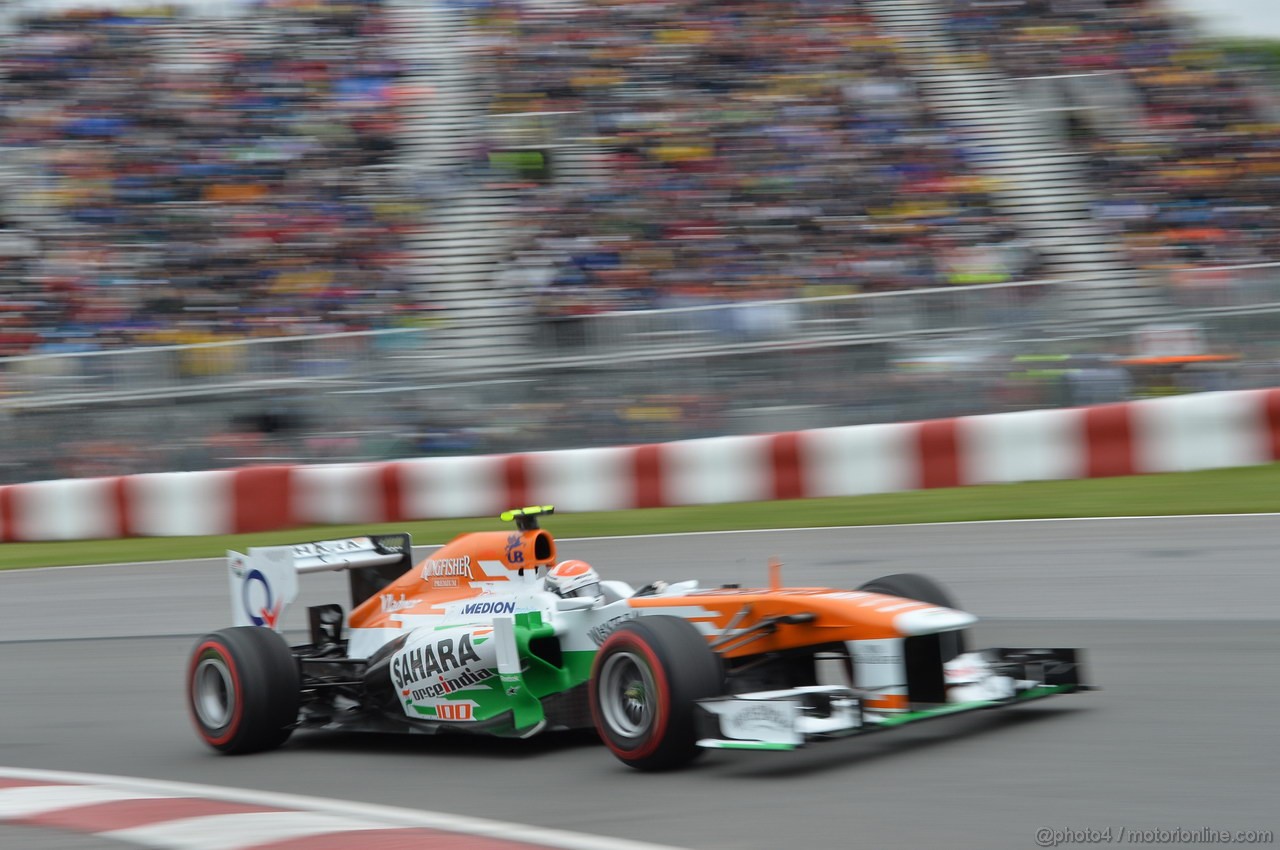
<point x="1039" y="310"/>
<point x="202" y="369"/>
<point x="697" y="326"/>
<point x="1227" y="289"/>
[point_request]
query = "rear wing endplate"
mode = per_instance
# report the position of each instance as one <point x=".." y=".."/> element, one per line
<point x="264" y="581"/>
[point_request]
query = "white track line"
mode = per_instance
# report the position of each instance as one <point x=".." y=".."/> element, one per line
<point x="800" y="529"/>
<point x="342" y="810"/>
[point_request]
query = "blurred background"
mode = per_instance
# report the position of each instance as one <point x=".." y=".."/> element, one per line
<point x="342" y="230"/>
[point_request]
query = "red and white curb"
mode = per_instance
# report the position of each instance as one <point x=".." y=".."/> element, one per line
<point x="1175" y="434"/>
<point x="186" y="816"/>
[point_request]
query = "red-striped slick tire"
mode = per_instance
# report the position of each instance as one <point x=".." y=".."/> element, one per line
<point x="243" y="689"/>
<point x="644" y="685"/>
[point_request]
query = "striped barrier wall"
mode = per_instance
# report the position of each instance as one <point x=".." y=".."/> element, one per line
<point x="1202" y="431"/>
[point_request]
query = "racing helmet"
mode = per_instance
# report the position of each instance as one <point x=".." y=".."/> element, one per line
<point x="573" y="579"/>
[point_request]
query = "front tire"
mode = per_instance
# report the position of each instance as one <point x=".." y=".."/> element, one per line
<point x="644" y="686"/>
<point x="244" y="689"/>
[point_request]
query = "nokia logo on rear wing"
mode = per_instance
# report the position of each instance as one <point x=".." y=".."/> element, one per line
<point x="331" y="547"/>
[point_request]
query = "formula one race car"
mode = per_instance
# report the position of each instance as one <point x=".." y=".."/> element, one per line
<point x="492" y="634"/>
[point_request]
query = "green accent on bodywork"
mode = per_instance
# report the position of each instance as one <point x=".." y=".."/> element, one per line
<point x="540" y="676"/>
<point x="526" y="710"/>
<point x="925" y="713"/>
<point x="578" y="665"/>
<point x="745" y="745"/>
<point x="1044" y="691"/>
<point x="522" y="693"/>
<point x="956" y="708"/>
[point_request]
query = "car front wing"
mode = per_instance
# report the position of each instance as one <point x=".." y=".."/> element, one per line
<point x="790" y="718"/>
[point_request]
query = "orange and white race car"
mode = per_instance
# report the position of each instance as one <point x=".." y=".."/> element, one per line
<point x="494" y="634"/>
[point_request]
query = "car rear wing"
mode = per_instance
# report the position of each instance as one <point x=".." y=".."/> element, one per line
<point x="264" y="581"/>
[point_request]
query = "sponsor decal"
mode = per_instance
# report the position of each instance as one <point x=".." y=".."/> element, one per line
<point x="444" y="687"/>
<point x="429" y="676"/>
<point x="445" y="655"/>
<point x="490" y="608"/>
<point x="330" y="547"/>
<point x="762" y="717"/>
<point x="759" y="720"/>
<point x="433" y="567"/>
<point x="515" y="551"/>
<point x="390" y="603"/>
<point x="608" y="627"/>
<point x="454" y="711"/>
<point x="445" y="582"/>
<point x="268" y="613"/>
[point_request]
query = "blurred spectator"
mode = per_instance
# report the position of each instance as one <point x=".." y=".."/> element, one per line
<point x="1192" y="181"/>
<point x="759" y="149"/>
<point x="200" y="180"/>
<point x="190" y="180"/>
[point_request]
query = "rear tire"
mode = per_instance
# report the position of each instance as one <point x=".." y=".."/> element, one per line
<point x="244" y="689"/>
<point x="922" y="589"/>
<point x="644" y="686"/>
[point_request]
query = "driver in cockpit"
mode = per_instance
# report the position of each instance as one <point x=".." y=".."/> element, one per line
<point x="574" y="580"/>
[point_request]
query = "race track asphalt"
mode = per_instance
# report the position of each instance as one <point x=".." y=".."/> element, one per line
<point x="1180" y="617"/>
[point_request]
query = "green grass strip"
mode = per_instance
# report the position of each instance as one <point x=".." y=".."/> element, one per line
<point x="1253" y="489"/>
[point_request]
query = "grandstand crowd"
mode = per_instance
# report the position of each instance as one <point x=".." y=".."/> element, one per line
<point x="174" y="179"/>
<point x="184" y="182"/>
<point x="759" y="149"/>
<point x="1192" y="180"/>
